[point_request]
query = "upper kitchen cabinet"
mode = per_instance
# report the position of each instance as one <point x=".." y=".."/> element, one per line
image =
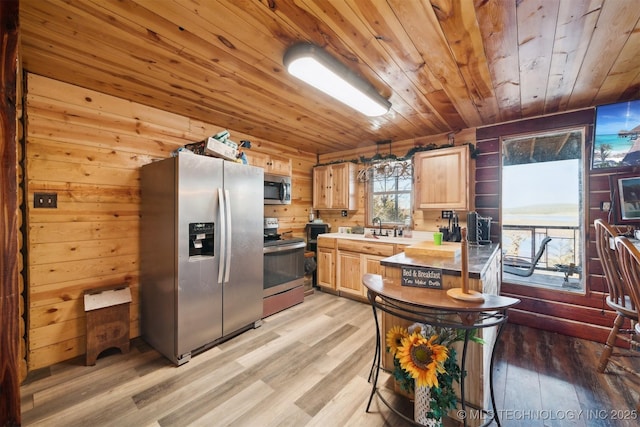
<point x="443" y="179"/>
<point x="270" y="163"/>
<point x="334" y="187"/>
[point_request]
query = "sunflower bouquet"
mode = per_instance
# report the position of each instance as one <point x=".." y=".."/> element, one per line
<point x="423" y="356"/>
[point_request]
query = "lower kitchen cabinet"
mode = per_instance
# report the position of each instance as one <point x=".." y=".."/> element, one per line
<point x="399" y="248"/>
<point x="326" y="267"/>
<point x="342" y="262"/>
<point x="356" y="258"/>
<point x="351" y="267"/>
<point x="348" y="273"/>
<point x="371" y="264"/>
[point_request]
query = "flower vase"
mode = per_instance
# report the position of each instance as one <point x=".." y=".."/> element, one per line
<point x="421" y="407"/>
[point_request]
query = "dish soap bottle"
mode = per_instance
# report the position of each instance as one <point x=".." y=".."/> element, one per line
<point x="407" y="228"/>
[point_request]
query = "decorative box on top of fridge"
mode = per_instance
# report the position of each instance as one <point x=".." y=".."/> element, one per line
<point x="218" y="145"/>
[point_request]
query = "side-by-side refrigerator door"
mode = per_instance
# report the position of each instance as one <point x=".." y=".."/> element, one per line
<point x="243" y="288"/>
<point x="199" y="296"/>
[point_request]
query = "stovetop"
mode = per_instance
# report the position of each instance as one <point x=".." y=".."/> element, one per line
<point x="273" y="238"/>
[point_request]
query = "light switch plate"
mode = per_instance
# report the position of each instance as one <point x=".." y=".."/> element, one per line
<point x="45" y="200"/>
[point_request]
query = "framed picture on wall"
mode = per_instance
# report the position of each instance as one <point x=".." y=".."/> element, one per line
<point x="616" y="141"/>
<point x="626" y="198"/>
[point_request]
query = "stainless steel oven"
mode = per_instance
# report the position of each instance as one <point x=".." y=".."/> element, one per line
<point x="283" y="269"/>
<point x="283" y="266"/>
<point x="277" y="189"/>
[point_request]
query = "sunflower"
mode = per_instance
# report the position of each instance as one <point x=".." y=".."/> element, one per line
<point x="395" y="336"/>
<point x="422" y="358"/>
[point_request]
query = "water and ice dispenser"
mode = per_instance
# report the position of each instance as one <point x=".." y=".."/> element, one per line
<point x="201" y="238"/>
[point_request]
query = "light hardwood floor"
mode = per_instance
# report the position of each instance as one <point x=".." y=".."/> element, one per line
<point x="308" y="366"/>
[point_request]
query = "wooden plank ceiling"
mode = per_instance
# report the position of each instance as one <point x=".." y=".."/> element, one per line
<point x="445" y="65"/>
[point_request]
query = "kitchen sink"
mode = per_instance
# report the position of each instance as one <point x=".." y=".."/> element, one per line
<point x="416" y="238"/>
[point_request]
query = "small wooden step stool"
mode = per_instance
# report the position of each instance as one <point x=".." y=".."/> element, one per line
<point x="107" y="319"/>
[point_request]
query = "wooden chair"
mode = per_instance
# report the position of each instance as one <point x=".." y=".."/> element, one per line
<point x="618" y="298"/>
<point x="629" y="260"/>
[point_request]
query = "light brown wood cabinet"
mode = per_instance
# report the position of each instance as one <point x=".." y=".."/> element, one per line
<point x="351" y="267"/>
<point x="348" y="273"/>
<point x="342" y="262"/>
<point x="399" y="248"/>
<point x="443" y="179"/>
<point x="326" y="269"/>
<point x="273" y="164"/>
<point x="356" y="258"/>
<point x="334" y="187"/>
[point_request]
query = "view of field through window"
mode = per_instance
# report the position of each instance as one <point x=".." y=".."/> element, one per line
<point x="390" y="192"/>
<point x="542" y="198"/>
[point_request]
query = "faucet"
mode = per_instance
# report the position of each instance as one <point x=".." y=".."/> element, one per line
<point x="379" y="221"/>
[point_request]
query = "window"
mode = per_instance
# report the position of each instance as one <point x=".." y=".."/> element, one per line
<point x="389" y="192"/>
<point x="543" y="197"/>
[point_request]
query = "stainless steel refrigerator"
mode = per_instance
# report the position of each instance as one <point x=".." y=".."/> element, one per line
<point x="201" y="262"/>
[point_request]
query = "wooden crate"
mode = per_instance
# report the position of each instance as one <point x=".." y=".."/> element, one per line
<point x="107" y="313"/>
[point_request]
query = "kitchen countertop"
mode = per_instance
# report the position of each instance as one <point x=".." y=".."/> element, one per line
<point x="479" y="257"/>
<point x="417" y="237"/>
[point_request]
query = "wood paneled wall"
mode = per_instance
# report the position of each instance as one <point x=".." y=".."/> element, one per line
<point x="422" y="220"/>
<point x="567" y="313"/>
<point x="87" y="148"/>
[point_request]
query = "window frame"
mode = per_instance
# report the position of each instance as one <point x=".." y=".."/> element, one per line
<point x="370" y="193"/>
<point x="582" y="241"/>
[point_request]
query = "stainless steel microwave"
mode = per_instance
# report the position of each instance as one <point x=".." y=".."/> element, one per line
<point x="277" y="189"/>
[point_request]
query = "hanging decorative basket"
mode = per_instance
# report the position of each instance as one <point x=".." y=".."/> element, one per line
<point x="422" y="406"/>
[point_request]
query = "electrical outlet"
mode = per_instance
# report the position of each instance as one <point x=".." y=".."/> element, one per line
<point x="605" y="206"/>
<point x="344" y="213"/>
<point x="45" y="200"/>
<point x="447" y="214"/>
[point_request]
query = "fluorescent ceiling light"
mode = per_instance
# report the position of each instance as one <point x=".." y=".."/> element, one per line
<point x="316" y="67"/>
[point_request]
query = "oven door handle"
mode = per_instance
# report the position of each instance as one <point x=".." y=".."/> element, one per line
<point x="282" y="248"/>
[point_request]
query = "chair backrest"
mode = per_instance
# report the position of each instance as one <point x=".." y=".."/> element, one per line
<point x="605" y="245"/>
<point x="629" y="260"/>
<point x="543" y="245"/>
<point x="525" y="269"/>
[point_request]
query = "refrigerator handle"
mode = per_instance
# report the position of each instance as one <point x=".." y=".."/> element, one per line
<point x="227" y="269"/>
<point x="223" y="234"/>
